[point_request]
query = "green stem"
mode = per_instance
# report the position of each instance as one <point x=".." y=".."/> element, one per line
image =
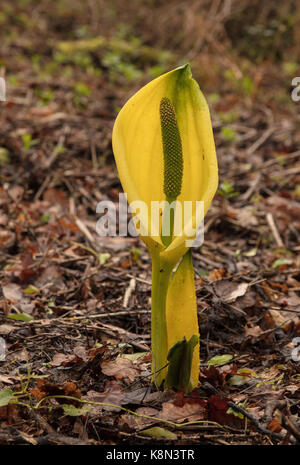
<point x="161" y="273"/>
<point x="166" y="240"/>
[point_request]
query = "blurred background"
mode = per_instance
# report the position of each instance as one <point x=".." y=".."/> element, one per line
<point x="87" y="57"/>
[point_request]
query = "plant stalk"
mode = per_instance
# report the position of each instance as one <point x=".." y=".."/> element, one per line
<point x="161" y="273"/>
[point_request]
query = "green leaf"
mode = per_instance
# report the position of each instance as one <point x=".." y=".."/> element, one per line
<point x="179" y="370"/>
<point x="282" y="261"/>
<point x="136" y="253"/>
<point x="4" y="156"/>
<point x="20" y="316"/>
<point x="202" y="272"/>
<point x="75" y="411"/>
<point x="248" y="370"/>
<point x="227" y="190"/>
<point x="282" y="250"/>
<point x="251" y="252"/>
<point x="158" y="432"/>
<point x="231" y="411"/>
<point x="45" y="218"/>
<point x="5" y="397"/>
<point x="220" y="359"/>
<point x="31" y="290"/>
<point x="103" y="257"/>
<point x="238" y="380"/>
<point x="228" y="134"/>
<point x="81" y="89"/>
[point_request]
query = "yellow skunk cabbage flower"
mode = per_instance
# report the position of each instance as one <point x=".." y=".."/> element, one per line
<point x="165" y="154"/>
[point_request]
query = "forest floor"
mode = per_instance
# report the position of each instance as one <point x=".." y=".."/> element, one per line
<point x="75" y="308"/>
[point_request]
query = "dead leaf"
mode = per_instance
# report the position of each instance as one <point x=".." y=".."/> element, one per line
<point x="274" y="426"/>
<point x="270" y="374"/>
<point x="137" y="423"/>
<point x="213" y="375"/>
<point x="138" y="396"/>
<point x="121" y="368"/>
<point x="6" y="329"/>
<point x="10" y="413"/>
<point x="12" y="292"/>
<point x="254" y="332"/>
<point x="45" y="388"/>
<point x="188" y="412"/>
<point x="14" y="295"/>
<point x="292" y="388"/>
<point x="276" y="318"/>
<point x="56" y="197"/>
<point x="62" y="359"/>
<point x="217" y="274"/>
<point x="8" y="379"/>
<point x="81" y="353"/>
<point x="52" y="277"/>
<point x="284" y="208"/>
<point x="229" y="291"/>
<point x="7" y="239"/>
<point x="16" y="192"/>
<point x="112" y="394"/>
<point x="243" y="216"/>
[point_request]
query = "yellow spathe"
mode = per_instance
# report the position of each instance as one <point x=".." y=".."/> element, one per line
<point x="138" y="150"/>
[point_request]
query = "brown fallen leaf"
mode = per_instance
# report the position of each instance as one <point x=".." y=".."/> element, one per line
<point x="7" y="239"/>
<point x="188" y="412"/>
<point x="121" y="368"/>
<point x="81" y="353"/>
<point x="62" y="359"/>
<point x="112" y="394"/>
<point x="14" y="295"/>
<point x="137" y="423"/>
<point x="6" y="329"/>
<point x="12" y="292"/>
<point x="3" y="219"/>
<point x="270" y="373"/>
<point x="7" y="379"/>
<point x="253" y="333"/>
<point x="10" y="413"/>
<point x="50" y="276"/>
<point x="56" y="197"/>
<point x="215" y="375"/>
<point x="229" y="291"/>
<point x="292" y="388"/>
<point x="243" y="216"/>
<point x="217" y="274"/>
<point x="276" y="318"/>
<point x="274" y="426"/>
<point x="45" y="388"/>
<point x="284" y="209"/>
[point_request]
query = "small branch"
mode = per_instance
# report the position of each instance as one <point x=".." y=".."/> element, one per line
<point x="255" y="422"/>
<point x="56" y="151"/>
<point x="274" y="230"/>
<point x="128" y="292"/>
<point x="259" y="142"/>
